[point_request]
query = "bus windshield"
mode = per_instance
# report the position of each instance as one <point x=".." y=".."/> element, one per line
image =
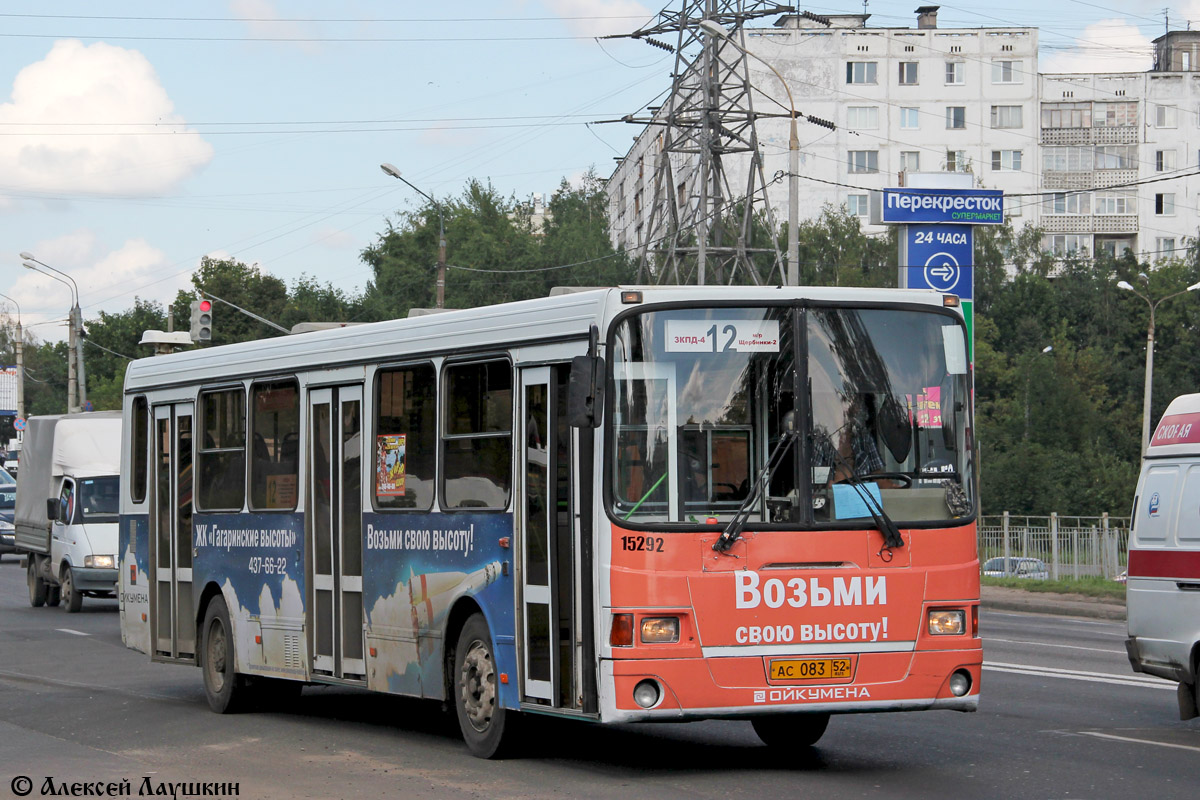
<point x="880" y="397"/>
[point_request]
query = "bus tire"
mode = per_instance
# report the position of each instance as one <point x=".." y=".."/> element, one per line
<point x="790" y="730"/>
<point x="223" y="686"/>
<point x="487" y="728"/>
<point x="71" y="596"/>
<point x="37" y="586"/>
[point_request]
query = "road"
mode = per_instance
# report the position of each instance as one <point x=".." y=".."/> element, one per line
<point x="1062" y="716"/>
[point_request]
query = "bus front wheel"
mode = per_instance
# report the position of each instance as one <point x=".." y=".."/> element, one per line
<point x="223" y="686"/>
<point x="790" y="730"/>
<point x="487" y="728"/>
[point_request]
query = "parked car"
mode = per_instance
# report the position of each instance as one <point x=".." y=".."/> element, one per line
<point x="8" y="500"/>
<point x="1122" y="577"/>
<point x="1017" y="568"/>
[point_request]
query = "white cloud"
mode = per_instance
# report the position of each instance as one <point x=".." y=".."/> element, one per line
<point x="135" y="268"/>
<point x="110" y="87"/>
<point x="623" y="16"/>
<point x="1110" y="45"/>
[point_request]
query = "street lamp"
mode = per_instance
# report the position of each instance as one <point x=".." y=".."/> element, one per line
<point x="1150" y="352"/>
<point x="19" y="347"/>
<point x="76" y="387"/>
<point x="793" y="245"/>
<point x="388" y="169"/>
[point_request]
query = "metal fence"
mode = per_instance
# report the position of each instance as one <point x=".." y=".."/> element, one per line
<point x="1070" y="547"/>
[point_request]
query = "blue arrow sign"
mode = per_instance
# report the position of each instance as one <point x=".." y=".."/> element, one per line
<point x="940" y="258"/>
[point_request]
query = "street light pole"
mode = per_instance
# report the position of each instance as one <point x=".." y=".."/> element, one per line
<point x="793" y="244"/>
<point x="1149" y="382"/>
<point x="75" y="325"/>
<point x="19" y="347"/>
<point x="388" y="169"/>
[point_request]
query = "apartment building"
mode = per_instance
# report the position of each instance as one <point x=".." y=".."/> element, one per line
<point x="1073" y="152"/>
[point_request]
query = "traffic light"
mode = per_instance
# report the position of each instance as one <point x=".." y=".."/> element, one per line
<point x="201" y="321"/>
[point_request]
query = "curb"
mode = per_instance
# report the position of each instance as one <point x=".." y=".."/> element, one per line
<point x="1055" y="604"/>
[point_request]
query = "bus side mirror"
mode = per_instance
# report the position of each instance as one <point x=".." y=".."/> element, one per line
<point x="52" y="509"/>
<point x="585" y="392"/>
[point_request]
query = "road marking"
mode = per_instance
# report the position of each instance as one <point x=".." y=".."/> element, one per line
<point x="1140" y="741"/>
<point x="1080" y="675"/>
<point x="1049" y="644"/>
<point x="68" y="630"/>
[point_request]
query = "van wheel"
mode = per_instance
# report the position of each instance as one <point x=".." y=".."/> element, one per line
<point x="72" y="598"/>
<point x="37" y="586"/>
<point x="790" y="730"/>
<point x="53" y="593"/>
<point x="487" y="728"/>
<point x="223" y="686"/>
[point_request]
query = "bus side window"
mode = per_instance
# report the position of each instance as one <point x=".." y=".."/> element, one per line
<point x="221" y="456"/>
<point x="405" y="437"/>
<point x="274" y="466"/>
<point x="477" y="435"/>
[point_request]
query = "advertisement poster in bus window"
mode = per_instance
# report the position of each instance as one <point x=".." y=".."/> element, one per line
<point x="927" y="407"/>
<point x="389" y="465"/>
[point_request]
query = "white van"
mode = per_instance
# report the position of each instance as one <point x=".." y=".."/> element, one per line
<point x="66" y="507"/>
<point x="1163" y="587"/>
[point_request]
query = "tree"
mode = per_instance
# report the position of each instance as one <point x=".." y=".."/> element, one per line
<point x="110" y="343"/>
<point x="242" y="284"/>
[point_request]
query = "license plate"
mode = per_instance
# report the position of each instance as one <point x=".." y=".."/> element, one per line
<point x="809" y="669"/>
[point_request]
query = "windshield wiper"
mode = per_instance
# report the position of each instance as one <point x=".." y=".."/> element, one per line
<point x="734" y="529"/>
<point x="891" y="533"/>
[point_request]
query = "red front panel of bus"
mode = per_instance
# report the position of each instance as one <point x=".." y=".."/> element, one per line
<point x="796" y="617"/>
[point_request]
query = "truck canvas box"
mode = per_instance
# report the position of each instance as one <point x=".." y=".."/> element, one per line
<point x="66" y="510"/>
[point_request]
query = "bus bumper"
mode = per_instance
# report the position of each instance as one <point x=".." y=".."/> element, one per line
<point x="737" y="686"/>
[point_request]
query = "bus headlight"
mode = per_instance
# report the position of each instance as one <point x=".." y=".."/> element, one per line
<point x="660" y="630"/>
<point x="947" y="622"/>
<point x="99" y="562"/>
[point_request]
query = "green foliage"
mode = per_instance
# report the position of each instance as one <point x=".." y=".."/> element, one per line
<point x="1098" y="588"/>
<point x="111" y="341"/>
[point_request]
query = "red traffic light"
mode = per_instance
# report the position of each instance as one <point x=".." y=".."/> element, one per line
<point x="206" y="306"/>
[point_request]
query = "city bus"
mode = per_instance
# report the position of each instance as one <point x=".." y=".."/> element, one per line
<point x="614" y="505"/>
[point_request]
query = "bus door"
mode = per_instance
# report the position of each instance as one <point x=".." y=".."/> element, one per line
<point x="549" y="543"/>
<point x="335" y="514"/>
<point x="172" y="611"/>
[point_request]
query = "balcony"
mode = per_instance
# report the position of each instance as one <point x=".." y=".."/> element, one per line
<point x="1125" y="134"/>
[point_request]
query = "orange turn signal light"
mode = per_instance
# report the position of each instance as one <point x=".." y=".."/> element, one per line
<point x="622" y="631"/>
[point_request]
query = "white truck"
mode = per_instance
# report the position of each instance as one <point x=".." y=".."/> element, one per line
<point x="67" y="504"/>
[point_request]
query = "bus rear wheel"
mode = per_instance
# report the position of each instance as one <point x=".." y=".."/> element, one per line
<point x="487" y="728"/>
<point x="790" y="730"/>
<point x="223" y="686"/>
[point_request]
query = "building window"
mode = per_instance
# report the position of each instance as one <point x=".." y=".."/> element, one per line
<point x="1164" y="116"/>
<point x="860" y="72"/>
<point x="1006" y="72"/>
<point x="1116" y="156"/>
<point x="862" y="117"/>
<point x="863" y="161"/>
<point x="1164" y="160"/>
<point x="910" y="161"/>
<point x="1113" y="248"/>
<point x="406" y="426"/>
<point x="956" y="161"/>
<point x="908" y="73"/>
<point x="910" y="118"/>
<point x="1115" y="115"/>
<point x="956" y="117"/>
<point x="1064" y="243"/>
<point x="1066" y="203"/>
<point x="1067" y="159"/>
<point x="1066" y="115"/>
<point x="221" y="451"/>
<point x="955" y="72"/>
<point x="1007" y="117"/>
<point x="1164" y="247"/>
<point x="857" y="204"/>
<point x="1006" y="159"/>
<point x="1109" y="203"/>
<point x="477" y="435"/>
<point x="1164" y="204"/>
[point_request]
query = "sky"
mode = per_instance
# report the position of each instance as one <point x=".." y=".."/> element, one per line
<point x="138" y="137"/>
